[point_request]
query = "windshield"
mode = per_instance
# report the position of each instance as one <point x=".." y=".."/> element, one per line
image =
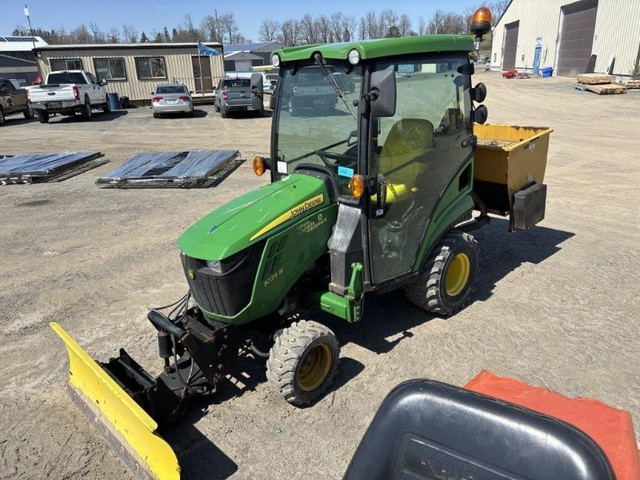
<point x="171" y="89"/>
<point x="315" y="125"/>
<point x="66" y="77"/>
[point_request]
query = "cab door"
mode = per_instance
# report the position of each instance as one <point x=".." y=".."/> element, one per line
<point x="415" y="154"/>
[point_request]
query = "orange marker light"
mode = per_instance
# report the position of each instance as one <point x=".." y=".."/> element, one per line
<point x="258" y="166"/>
<point x="356" y="186"/>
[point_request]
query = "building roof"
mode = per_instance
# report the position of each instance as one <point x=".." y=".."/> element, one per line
<point x="251" y="47"/>
<point x="381" y="47"/>
<point x="20" y="44"/>
<point x="115" y="46"/>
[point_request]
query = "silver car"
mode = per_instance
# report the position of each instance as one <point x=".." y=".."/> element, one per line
<point x="171" y="98"/>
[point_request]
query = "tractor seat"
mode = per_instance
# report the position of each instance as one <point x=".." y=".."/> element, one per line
<point x="400" y="162"/>
<point x="433" y="431"/>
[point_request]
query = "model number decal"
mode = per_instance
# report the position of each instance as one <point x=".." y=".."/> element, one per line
<point x="273" y="276"/>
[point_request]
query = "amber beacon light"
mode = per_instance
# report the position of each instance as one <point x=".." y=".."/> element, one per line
<point x="480" y="24"/>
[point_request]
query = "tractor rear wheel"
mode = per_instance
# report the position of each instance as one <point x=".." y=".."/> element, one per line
<point x="445" y="284"/>
<point x="303" y="362"/>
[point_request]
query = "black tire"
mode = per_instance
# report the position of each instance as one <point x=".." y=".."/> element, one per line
<point x="224" y="113"/>
<point x="87" y="113"/>
<point x="107" y="106"/>
<point x="156" y="115"/>
<point x="303" y="361"/>
<point x="43" y="116"/>
<point x="2" y="118"/>
<point x="448" y="278"/>
<point x="28" y="113"/>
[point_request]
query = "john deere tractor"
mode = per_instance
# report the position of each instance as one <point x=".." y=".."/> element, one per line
<point x="372" y="189"/>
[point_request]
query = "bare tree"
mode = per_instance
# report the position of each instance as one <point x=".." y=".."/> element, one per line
<point x="228" y="28"/>
<point x="388" y="19"/>
<point x="210" y="27"/>
<point x="308" y="29"/>
<point x="129" y="34"/>
<point x="497" y="9"/>
<point x="269" y="31"/>
<point x="113" y="36"/>
<point x="323" y="29"/>
<point x="446" y="22"/>
<point x="404" y="25"/>
<point x="191" y="32"/>
<point x="98" y="35"/>
<point x="81" y="35"/>
<point x="291" y="32"/>
<point x="362" y="29"/>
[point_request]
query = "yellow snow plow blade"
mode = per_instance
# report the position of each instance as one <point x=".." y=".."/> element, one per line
<point x="131" y="426"/>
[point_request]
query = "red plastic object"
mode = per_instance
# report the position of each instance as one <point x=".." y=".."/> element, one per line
<point x="509" y="74"/>
<point x="609" y="427"/>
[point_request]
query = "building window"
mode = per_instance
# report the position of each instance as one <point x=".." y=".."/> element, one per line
<point x="151" y="68"/>
<point x="65" y="64"/>
<point x="110" y="68"/>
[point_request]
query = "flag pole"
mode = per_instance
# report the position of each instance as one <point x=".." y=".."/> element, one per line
<point x="200" y="65"/>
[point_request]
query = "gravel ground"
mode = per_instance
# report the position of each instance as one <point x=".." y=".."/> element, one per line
<point x="555" y="306"/>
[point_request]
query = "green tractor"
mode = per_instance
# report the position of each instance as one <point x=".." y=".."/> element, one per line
<point x="372" y="189"/>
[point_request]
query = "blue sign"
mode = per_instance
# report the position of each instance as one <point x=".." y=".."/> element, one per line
<point x="345" y="172"/>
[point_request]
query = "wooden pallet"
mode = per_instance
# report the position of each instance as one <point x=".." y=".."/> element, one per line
<point x="595" y="79"/>
<point x="633" y="84"/>
<point x="58" y="177"/>
<point x="612" y="88"/>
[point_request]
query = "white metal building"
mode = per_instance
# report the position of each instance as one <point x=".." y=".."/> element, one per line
<point x="134" y="70"/>
<point x="567" y="36"/>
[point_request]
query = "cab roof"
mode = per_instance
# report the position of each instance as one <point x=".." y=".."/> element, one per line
<point x="383" y="47"/>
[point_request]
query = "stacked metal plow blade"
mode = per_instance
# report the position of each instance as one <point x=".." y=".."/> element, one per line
<point x="46" y="167"/>
<point x="194" y="168"/>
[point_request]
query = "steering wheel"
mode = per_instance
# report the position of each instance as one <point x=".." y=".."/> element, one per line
<point x="332" y="159"/>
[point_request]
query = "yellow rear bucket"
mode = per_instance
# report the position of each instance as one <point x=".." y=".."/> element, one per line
<point x="125" y="420"/>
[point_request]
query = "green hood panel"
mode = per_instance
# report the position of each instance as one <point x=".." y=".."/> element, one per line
<point x="252" y="216"/>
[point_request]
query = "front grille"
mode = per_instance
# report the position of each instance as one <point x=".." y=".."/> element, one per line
<point x="227" y="293"/>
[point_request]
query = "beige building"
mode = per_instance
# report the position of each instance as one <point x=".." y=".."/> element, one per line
<point x="134" y="70"/>
<point x="569" y="36"/>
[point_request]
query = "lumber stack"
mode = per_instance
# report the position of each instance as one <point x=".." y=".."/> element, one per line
<point x="633" y="84"/>
<point x="600" y="83"/>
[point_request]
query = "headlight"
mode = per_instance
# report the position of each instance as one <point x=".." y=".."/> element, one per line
<point x="275" y="60"/>
<point x="354" y="57"/>
<point x="214" y="265"/>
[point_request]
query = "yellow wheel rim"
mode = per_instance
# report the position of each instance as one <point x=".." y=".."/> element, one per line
<point x="315" y="367"/>
<point x="457" y="274"/>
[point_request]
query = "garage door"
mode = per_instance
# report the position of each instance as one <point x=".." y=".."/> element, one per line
<point x="576" y="37"/>
<point x="510" y="46"/>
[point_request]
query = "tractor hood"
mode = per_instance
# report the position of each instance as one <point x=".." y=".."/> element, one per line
<point x="251" y="217"/>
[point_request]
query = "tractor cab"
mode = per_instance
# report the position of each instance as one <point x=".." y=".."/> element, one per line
<point x="388" y="126"/>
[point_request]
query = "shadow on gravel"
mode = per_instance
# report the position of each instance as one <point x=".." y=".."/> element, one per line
<point x="389" y="318"/>
<point x="502" y="252"/>
<point x="96" y="117"/>
<point x="198" y="456"/>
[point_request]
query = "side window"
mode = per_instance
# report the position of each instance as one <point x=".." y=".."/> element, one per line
<point x="151" y="68"/>
<point x="92" y="79"/>
<point x="110" y="68"/>
<point x="65" y="64"/>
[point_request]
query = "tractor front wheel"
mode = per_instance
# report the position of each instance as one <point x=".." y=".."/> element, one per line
<point x="445" y="284"/>
<point x="303" y="362"/>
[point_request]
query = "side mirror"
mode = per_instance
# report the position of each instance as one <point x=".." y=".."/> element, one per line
<point x="480" y="114"/>
<point x="382" y="94"/>
<point x="257" y="90"/>
<point x="153" y="93"/>
<point x="479" y="93"/>
<point x="272" y="101"/>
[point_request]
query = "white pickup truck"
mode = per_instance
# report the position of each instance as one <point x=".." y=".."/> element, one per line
<point x="69" y="92"/>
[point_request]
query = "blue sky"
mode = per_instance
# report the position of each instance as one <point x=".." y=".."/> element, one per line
<point x="148" y="16"/>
